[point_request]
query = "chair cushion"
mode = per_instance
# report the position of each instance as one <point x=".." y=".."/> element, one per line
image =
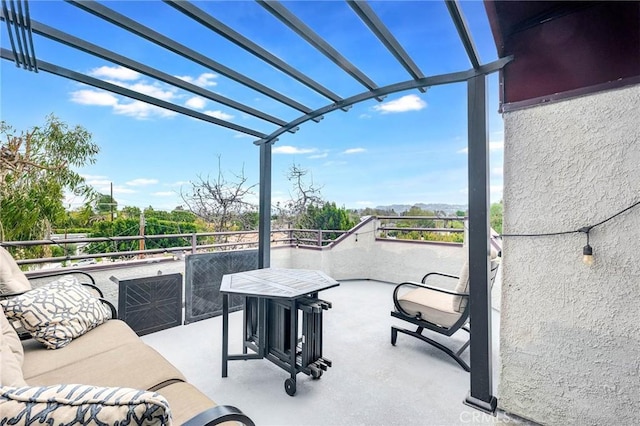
<point x="460" y="302"/>
<point x="432" y="305"/>
<point x="81" y="404"/>
<point x="12" y="279"/>
<point x="57" y="312"/>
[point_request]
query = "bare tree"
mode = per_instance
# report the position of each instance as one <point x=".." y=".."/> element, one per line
<point x="221" y="202"/>
<point x="305" y="193"/>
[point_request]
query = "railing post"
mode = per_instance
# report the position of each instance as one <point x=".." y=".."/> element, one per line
<point x="194" y="243"/>
<point x="319" y="237"/>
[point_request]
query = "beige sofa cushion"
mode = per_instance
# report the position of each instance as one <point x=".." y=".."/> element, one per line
<point x="81" y="404"/>
<point x="185" y="401"/>
<point x="12" y="279"/>
<point x="134" y="365"/>
<point x="57" y="312"/>
<point x="108" y="336"/>
<point x="10" y="368"/>
<point x="11" y="355"/>
<point x="432" y="305"/>
<point x="10" y="338"/>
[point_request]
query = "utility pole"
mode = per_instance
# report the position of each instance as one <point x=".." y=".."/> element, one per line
<point x="141" y="241"/>
<point x="111" y="202"/>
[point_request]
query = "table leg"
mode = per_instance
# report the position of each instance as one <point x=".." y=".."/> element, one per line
<point x="225" y="333"/>
<point x="290" y="384"/>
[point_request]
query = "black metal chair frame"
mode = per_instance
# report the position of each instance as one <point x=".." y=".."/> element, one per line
<point x="421" y="323"/>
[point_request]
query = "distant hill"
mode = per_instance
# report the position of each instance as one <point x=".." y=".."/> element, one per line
<point x="447" y="208"/>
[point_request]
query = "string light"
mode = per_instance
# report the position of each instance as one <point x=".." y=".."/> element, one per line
<point x="587" y="251"/>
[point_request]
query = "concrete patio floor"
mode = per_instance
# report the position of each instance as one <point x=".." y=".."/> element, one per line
<point x="371" y="381"/>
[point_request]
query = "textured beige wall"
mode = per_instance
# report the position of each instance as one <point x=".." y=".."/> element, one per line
<point x="361" y="256"/>
<point x="570" y="334"/>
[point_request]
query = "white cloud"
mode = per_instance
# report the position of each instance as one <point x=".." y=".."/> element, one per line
<point x="354" y="150"/>
<point x="141" y="110"/>
<point x="316" y="156"/>
<point x="219" y="115"/>
<point x="93" y="97"/>
<point x="497" y="171"/>
<point x="92" y="177"/>
<point x="164" y="193"/>
<point x="123" y="190"/>
<point x="106" y="189"/>
<point x="196" y="102"/>
<point x="242" y="135"/>
<point x="288" y="149"/>
<point x="97" y="180"/>
<point x="464" y="150"/>
<point x="203" y="80"/>
<point x="364" y="116"/>
<point x="154" y="90"/>
<point x="364" y="203"/>
<point x="403" y="104"/>
<point x="135" y="109"/>
<point x="142" y="182"/>
<point x="178" y="183"/>
<point x="117" y="73"/>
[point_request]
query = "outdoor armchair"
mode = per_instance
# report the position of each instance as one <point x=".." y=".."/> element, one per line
<point x="437" y="309"/>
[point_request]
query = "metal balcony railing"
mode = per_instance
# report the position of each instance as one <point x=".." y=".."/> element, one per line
<point x="427" y="229"/>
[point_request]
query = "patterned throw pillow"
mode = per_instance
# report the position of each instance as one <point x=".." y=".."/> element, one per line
<point x="81" y="404"/>
<point x="57" y="312"/>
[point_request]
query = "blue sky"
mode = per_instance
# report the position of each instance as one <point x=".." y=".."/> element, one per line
<point x="410" y="148"/>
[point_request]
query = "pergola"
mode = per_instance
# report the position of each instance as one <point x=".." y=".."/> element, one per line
<point x="21" y="27"/>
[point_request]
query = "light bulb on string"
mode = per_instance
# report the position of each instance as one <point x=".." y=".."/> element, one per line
<point x="587" y="255"/>
<point x="587" y="251"/>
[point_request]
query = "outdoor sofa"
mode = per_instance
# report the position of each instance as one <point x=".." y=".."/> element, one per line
<point x="79" y="364"/>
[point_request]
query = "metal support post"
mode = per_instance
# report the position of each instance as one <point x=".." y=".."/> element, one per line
<point x="480" y="396"/>
<point x="264" y="226"/>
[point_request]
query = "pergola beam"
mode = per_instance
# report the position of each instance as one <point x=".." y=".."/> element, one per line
<point x="463" y="31"/>
<point x="147" y="33"/>
<point x="238" y="39"/>
<point x="436" y="80"/>
<point x="85" y="46"/>
<point x="100" y="84"/>
<point x="371" y="20"/>
<point x="304" y="31"/>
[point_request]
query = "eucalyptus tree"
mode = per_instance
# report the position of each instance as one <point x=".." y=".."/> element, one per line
<point x="37" y="166"/>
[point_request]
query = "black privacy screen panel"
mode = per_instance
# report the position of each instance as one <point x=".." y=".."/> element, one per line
<point x="151" y="304"/>
<point x="204" y="273"/>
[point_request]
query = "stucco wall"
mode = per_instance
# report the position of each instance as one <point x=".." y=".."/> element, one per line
<point x="570" y="334"/>
<point x="361" y="256"/>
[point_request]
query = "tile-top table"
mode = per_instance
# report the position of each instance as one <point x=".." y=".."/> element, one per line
<point x="273" y="298"/>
